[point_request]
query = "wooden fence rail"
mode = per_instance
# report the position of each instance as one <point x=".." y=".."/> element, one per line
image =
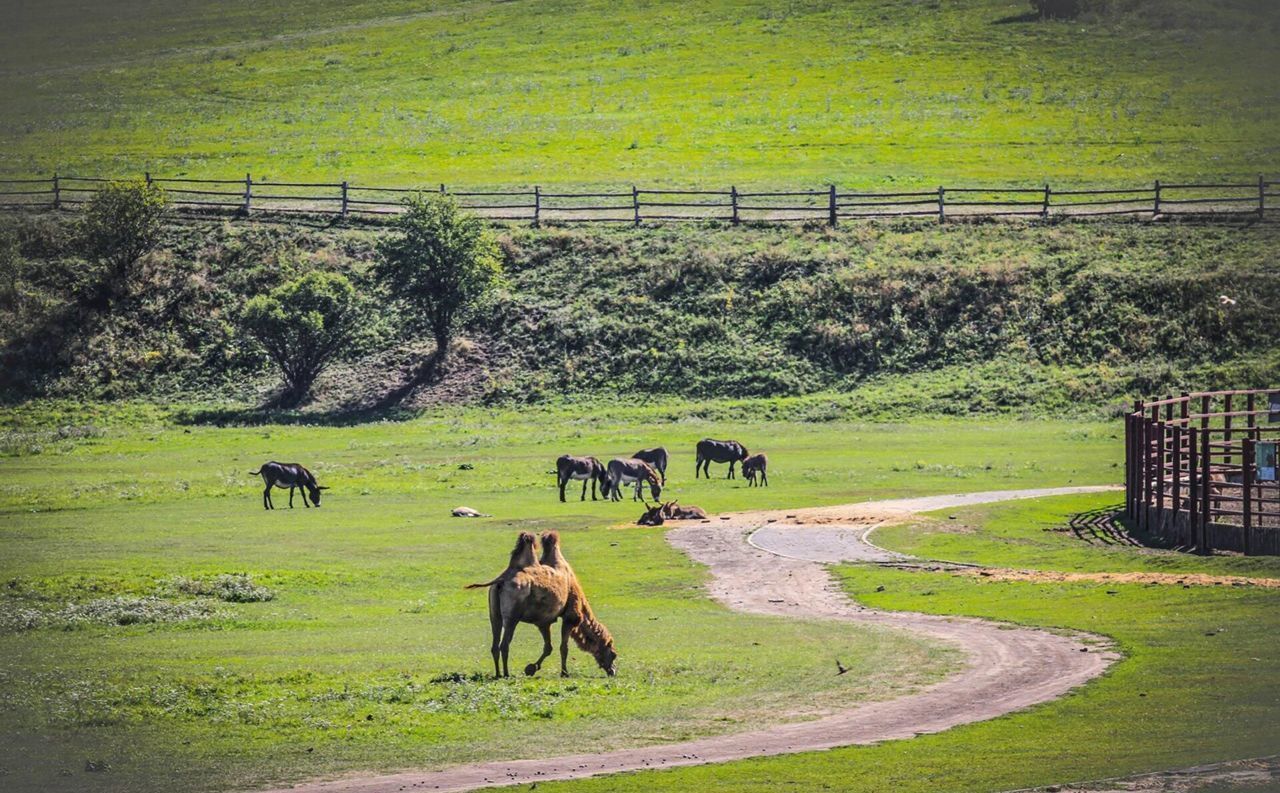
<point x="828" y="205"/>
<point x="1194" y="472"/>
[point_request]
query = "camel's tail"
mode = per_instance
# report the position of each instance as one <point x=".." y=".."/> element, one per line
<point x="485" y="585"/>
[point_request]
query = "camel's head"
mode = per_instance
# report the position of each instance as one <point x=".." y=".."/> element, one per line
<point x="525" y="552"/>
<point x="550" y="546"/>
<point x="607" y="657"/>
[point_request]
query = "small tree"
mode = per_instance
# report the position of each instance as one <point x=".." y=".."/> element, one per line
<point x="304" y="325"/>
<point x="120" y="225"/>
<point x="437" y="265"/>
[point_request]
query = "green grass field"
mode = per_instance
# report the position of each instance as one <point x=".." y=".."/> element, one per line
<point x="751" y="92"/>
<point x="371" y="656"/>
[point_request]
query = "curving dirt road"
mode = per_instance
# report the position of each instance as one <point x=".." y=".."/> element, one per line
<point x="773" y="563"/>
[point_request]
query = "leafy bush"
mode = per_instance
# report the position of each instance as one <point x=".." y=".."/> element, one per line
<point x="304" y="325"/>
<point x="437" y="264"/>
<point x="14" y="616"/>
<point x="121" y="223"/>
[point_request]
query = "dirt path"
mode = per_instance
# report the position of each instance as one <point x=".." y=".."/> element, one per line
<point x="1006" y="668"/>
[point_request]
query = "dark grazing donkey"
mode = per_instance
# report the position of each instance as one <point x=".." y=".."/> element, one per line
<point x="756" y="465"/>
<point x="583" y="468"/>
<point x="655" y="457"/>
<point x="290" y="475"/>
<point x="713" y="451"/>
<point x="623" y="471"/>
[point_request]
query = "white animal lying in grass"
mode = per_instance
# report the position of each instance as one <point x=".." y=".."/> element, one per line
<point x="468" y="512"/>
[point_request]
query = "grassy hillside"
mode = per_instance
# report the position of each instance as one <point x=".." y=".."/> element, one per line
<point x="898" y="318"/>
<point x="752" y="92"/>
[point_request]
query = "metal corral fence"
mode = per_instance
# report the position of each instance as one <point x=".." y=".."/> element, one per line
<point x="1200" y="470"/>
<point x="828" y="205"/>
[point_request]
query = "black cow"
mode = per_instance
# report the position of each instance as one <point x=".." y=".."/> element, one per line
<point x="655" y="457"/>
<point x="583" y="468"/>
<point x="713" y="451"/>
<point x="290" y="475"/>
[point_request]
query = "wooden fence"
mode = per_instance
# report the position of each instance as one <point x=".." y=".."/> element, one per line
<point x="827" y="206"/>
<point x="1192" y="472"/>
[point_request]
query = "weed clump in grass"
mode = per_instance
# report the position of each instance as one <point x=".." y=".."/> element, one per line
<point x="230" y="587"/>
<point x="105" y="611"/>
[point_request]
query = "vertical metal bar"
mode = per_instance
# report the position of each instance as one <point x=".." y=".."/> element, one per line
<point x="831" y="206"/>
<point x="942" y="204"/>
<point x="635" y="203"/>
<point x="1044" y="211"/>
<point x="1194" y="534"/>
<point x="1250" y="420"/>
<point x="1161" y="436"/>
<point x="248" y="192"/>
<point x="1128" y="465"/>
<point x="1204" y="412"/>
<point x="344" y="197"/>
<point x="1156" y="210"/>
<point x="733" y="200"/>
<point x="537" y="205"/>
<point x="1176" y="463"/>
<point x="1226" y="425"/>
<point x="1206" y="482"/>
<point x="1246" y="468"/>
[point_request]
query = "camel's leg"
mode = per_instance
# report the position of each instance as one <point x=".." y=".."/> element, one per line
<point x="495" y="622"/>
<point x="534" y="667"/>
<point x="565" y="627"/>
<point x="584" y="490"/>
<point x="508" y="631"/>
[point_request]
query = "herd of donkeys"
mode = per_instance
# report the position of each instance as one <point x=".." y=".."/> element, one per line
<point x="647" y="466"/>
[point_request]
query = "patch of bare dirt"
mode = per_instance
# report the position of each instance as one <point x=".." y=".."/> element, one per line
<point x="1166" y="579"/>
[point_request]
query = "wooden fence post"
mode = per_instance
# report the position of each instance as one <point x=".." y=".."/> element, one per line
<point x="1246" y="469"/>
<point x="57" y="192"/>
<point x="1262" y="196"/>
<point x="1205" y="482"/>
<point x="635" y="203"/>
<point x="537" y="205"/>
<point x="1156" y="211"/>
<point x="442" y="190"/>
<point x="344" y="198"/>
<point x="831" y="206"/>
<point x="146" y="177"/>
<point x="1128" y="465"/>
<point x="1161" y="436"/>
<point x="1044" y="210"/>
<point x="942" y="213"/>
<point x="248" y="192"/>
<point x="733" y="200"/>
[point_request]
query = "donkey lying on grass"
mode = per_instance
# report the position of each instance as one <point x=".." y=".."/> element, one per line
<point x="290" y="475"/>
<point x="671" y="510"/>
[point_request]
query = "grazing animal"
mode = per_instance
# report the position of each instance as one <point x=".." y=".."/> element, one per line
<point x="626" y="471"/>
<point x="583" y="468"/>
<point x="539" y="594"/>
<point x="657" y="458"/>
<point x="656" y="516"/>
<point x="756" y="464"/>
<point x="290" y="475"/>
<point x="713" y="451"/>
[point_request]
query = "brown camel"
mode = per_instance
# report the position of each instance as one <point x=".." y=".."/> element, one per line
<point x="540" y="594"/>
